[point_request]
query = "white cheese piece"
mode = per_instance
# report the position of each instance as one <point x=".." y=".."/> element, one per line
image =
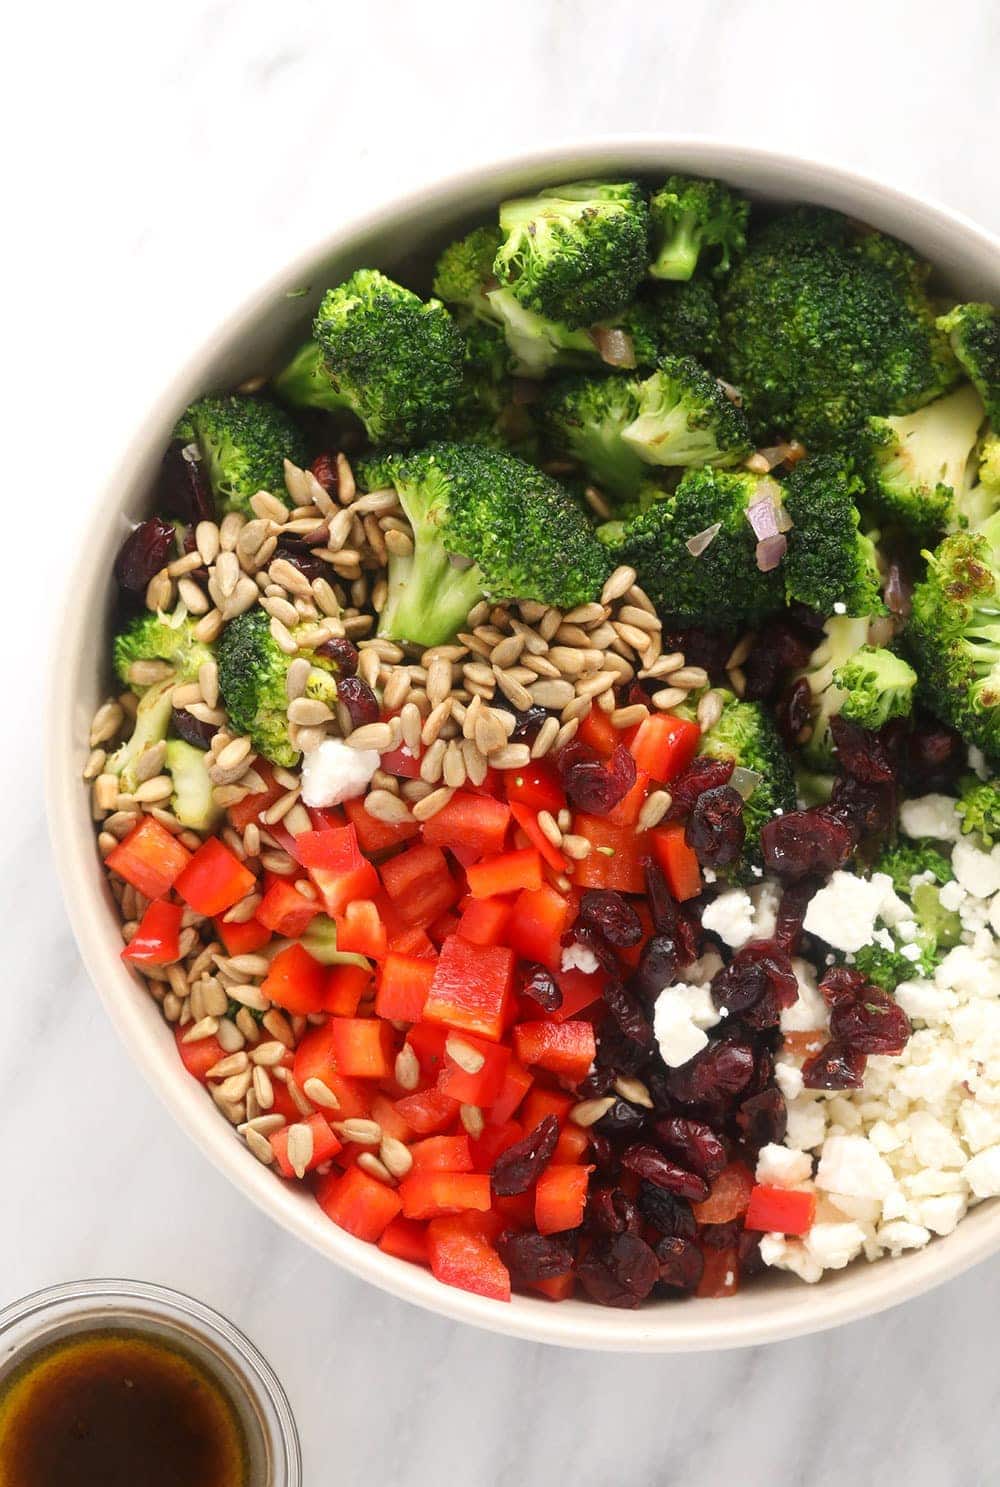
<point x="844" y="912"/>
<point x="680" y="1016"/>
<point x="851" y="1165"/>
<point x="930" y="815"/>
<point x="731" y="917"/>
<point x="577" y="957"/>
<point x="978" y="872"/>
<point x="900" y="1235"/>
<point x="834" y="1245"/>
<point x="983" y="1173"/>
<point x="334" y="773"/>
<point x="779" y="1167"/>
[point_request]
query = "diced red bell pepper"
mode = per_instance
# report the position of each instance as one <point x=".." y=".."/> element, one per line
<point x="376" y="836"/>
<point x="442" y="1154"/>
<point x="721" y="1275"/>
<point x="214" y="879"/>
<point x="415" y="942"/>
<point x="780" y="1210"/>
<point x="286" y="911"/>
<point x="446" y="924"/>
<point x="482" y="1087"/>
<point x="560" y="1198"/>
<point x="295" y="981"/>
<point x="149" y="858"/>
<point x="345" y="986"/>
<point x="494" y="1140"/>
<point x="597" y="731"/>
<point x="471" y="989"/>
<point x="484" y="921"/>
<point x="573" y="1142"/>
<point x="404" y="984"/>
<point x="535" y="785"/>
<point x="427" y="1042"/>
<point x="335" y="863"/>
<point x="476" y="823"/>
<point x="615" y="858"/>
<point x="565" y="1048"/>
<point x="363" y="1047"/>
<point x="626" y="812"/>
<point x="200" y="1056"/>
<point x="664" y="746"/>
<point x="314" y="1059"/>
<point x="403" y="763"/>
<point x="360" y="930"/>
<point x="678" y="861"/>
<point x="460" y="1255"/>
<point x="419" y="884"/>
<point x="358" y="1203"/>
<point x="407" y="1240"/>
<point x="241" y="939"/>
<point x="517" y="1080"/>
<point x="156" y="941"/>
<point x="389" y="1118"/>
<point x="505" y="874"/>
<point x="429" y="1194"/>
<point x="428" y="1111"/>
<point x="556" y="1287"/>
<point x="542" y="1102"/>
<point x="325" y="1145"/>
<point x="527" y="820"/>
<point x="579" y="989"/>
<point x="728" y="1196"/>
<point x="250" y="807"/>
<point x="538" y="921"/>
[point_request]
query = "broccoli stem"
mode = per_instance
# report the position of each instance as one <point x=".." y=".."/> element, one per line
<point x="678" y="258"/>
<point x="152" y="720"/>
<point x="429" y="596"/>
<point x="306" y="383"/>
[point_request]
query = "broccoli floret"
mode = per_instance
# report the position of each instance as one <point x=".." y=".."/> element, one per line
<point x="879" y="686"/>
<point x="464" y="270"/>
<point x="829" y="562"/>
<point x="685" y="418"/>
<point x="381" y="352"/>
<point x="919" y="465"/>
<point x="917" y="871"/>
<point x="152" y="720"/>
<point x="687" y="316"/>
<point x="842" y="638"/>
<point x="584" y="419"/>
<point x="576" y="253"/>
<point x="160" y="637"/>
<point x="487" y="411"/>
<point x="191" y="801"/>
<point x="485" y="523"/>
<point x="954" y="631"/>
<point x="979" y="808"/>
<point x="244" y="442"/>
<point x="823" y="327"/>
<point x="746" y="733"/>
<point x="989" y="464"/>
<point x="974" y="332"/>
<point x="252" y="673"/>
<point x="887" y="968"/>
<point x="719" y="586"/>
<point x="691" y="218"/>
<point x="913" y="859"/>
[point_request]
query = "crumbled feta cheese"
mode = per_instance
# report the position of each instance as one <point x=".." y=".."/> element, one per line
<point x="790" y="1254"/>
<point x="577" y="957"/>
<point x="766" y="898"/>
<point x="851" y="1165"/>
<point x="675" y="1029"/>
<point x="910" y="952"/>
<point x="900" y="1235"/>
<point x="335" y="772"/>
<point x="845" y="910"/>
<point x="933" y="1142"/>
<point x="731" y="917"/>
<point x="977" y="763"/>
<point x="778" y="1167"/>
<point x="788" y="1077"/>
<point x="978" y="872"/>
<point x="839" y="607"/>
<point x="924" y="1001"/>
<point x="930" y="815"/>
<point x="806" y="1121"/>
<point x="834" y="1245"/>
<point x="951" y="895"/>
<point x="810" y="1011"/>
<point x="983" y="1173"/>
<point x="941" y="1214"/>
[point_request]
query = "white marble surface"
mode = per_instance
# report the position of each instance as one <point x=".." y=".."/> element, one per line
<point x="160" y="159"/>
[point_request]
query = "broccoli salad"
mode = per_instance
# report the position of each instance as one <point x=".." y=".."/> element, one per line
<point x="548" y="782"/>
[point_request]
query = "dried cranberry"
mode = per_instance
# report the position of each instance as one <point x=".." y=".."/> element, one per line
<point x="761" y="969"/>
<point x="532" y="1256"/>
<point x="324" y="467"/>
<point x="873" y="1023"/>
<point x="864" y="809"/>
<point x="703" y="773"/>
<point x="763" y="1065"/>
<point x="662" y="908"/>
<point x="528" y="723"/>
<point x="610" y="1211"/>
<point x="192" y="729"/>
<point x="842" y="984"/>
<point x="934" y="755"/>
<point x="694" y="1144"/>
<point x="793" y="713"/>
<point x="622" y="1119"/>
<point x="523" y="1163"/>
<point x="792" y="912"/>
<point x="716" y="829"/>
<point x="835" y="1067"/>
<point x="780" y="648"/>
<point x="666" y="1212"/>
<point x="620" y="1272"/>
<point x="359" y="699"/>
<point x="616" y="1052"/>
<point x="590" y="783"/>
<point x="720" y="1236"/>
<point x="602" y="1154"/>
<point x="301" y="556"/>
<point x="651" y="1164"/>
<point x="539" y="986"/>
<point x="763" y="1119"/>
<point x="803" y="843"/>
<point x="612" y="916"/>
<point x="860" y="753"/>
<point x="720" y="1071"/>
<point x="342" y="652"/>
<point x="709" y="649"/>
<point x="748" y="1249"/>
<point x="689" y="937"/>
<point x="183" y="488"/>
<point x="628" y="1014"/>
<point x="602" y="952"/>
<point x="681" y="1264"/>
<point x="144" y="552"/>
<point x="657" y="967"/>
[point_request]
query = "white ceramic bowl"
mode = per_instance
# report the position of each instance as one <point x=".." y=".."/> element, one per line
<point x="403" y="238"/>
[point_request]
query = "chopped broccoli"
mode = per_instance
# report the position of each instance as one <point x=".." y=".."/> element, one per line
<point x="954" y="631"/>
<point x="920" y="463"/>
<point x="718" y="587"/>
<point x="887" y="968"/>
<point x="974" y="331"/>
<point x="979" y="808"/>
<point x="381" y="352"/>
<point x="252" y="672"/>
<point x="692" y="218"/>
<point x="746" y="733"/>
<point x="244" y="442"/>
<point x="917" y="871"/>
<point x="823" y="326"/>
<point x="989" y="464"/>
<point x="842" y="638"/>
<point x="464" y="270"/>
<point x="913" y="859"/>
<point x="487" y="411"/>
<point x="152" y="720"/>
<point x="576" y="253"/>
<point x="879" y="686"/>
<point x="484" y="523"/>
<point x="829" y="562"/>
<point x="160" y="637"/>
<point x="191" y="801"/>
<point x="686" y="418"/>
<point x="584" y="418"/>
<point x="687" y="316"/>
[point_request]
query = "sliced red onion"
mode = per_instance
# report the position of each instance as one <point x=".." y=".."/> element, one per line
<point x="733" y="393"/>
<point x="745" y="780"/>
<point x="770" y="551"/>
<point x="763" y="517"/>
<point x="782" y="454"/>
<point x="898" y="592"/>
<point x="697" y="544"/>
<point x="616" y="347"/>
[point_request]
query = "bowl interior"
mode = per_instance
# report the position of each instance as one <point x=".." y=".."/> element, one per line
<point x="403" y="239"/>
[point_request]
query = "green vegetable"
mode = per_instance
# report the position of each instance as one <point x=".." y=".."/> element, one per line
<point x="243" y="442"/>
<point x="686" y="418"/>
<point x="319" y="938"/>
<point x="974" y="332"/>
<point x="252" y="673"/>
<point x="746" y="733"/>
<point x="486" y="411"/>
<point x="687" y="319"/>
<point x="695" y="219"/>
<point x="160" y="637"/>
<point x="910" y="859"/>
<point x="919" y="465"/>
<point x="464" y="270"/>
<point x="878" y="685"/>
<point x="152" y="721"/>
<point x="979" y="808"/>
<point x="989" y="465"/>
<point x="912" y="866"/>
<point x="583" y="419"/>
<point x="829" y="561"/>
<point x="191" y="801"/>
<point x="842" y="638"/>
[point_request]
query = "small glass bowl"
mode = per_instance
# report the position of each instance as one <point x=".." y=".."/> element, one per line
<point x="38" y="1320"/>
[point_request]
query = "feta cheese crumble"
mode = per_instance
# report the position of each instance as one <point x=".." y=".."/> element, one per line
<point x="335" y="772"/>
<point x="577" y="957"/>
<point x="844" y="912"/>
<point x="680" y="1017"/>
<point x="731" y="917"/>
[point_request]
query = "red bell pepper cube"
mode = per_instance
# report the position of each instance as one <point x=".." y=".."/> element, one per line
<point x="560" y="1198"/>
<point x="345" y="986"/>
<point x="494" y="1140"/>
<point x="556" y="1287"/>
<point x="295" y="981"/>
<point x="358" y="1203"/>
<point x="565" y="1048"/>
<point x="471" y="989"/>
<point x="200" y="1056"/>
<point x="428" y="1111"/>
<point x="484" y="921"/>
<point x="474" y="822"/>
<point x="679" y="863"/>
<point x="427" y="1041"/>
<point x="664" y="746"/>
<point x="461" y="1255"/>
<point x="361" y="930"/>
<point x="392" y="1123"/>
<point x="780" y="1210"/>
<point x="149" y="858"/>
<point x="335" y="863"/>
<point x="404" y="984"/>
<point x="214" y="879"/>
<point x="538" y="921"/>
<point x="517" y="1080"/>
<point x="615" y="859"/>
<point x="374" y="836"/>
<point x="363" y="1047"/>
<point x="626" y="812"/>
<point x="442" y="1154"/>
<point x="286" y="911"/>
<point x="325" y="1145"/>
<point x="536" y="785"/>
<point x="527" y="820"/>
<point x="728" y="1196"/>
<point x="250" y="807"/>
<point x="446" y="924"/>
<point x="314" y="1059"/>
<point x="429" y="1194"/>
<point x="241" y="939"/>
<point x="419" y="884"/>
<point x="542" y="1102"/>
<point x="403" y="763"/>
<point x="597" y="731"/>
<point x="573" y="1142"/>
<point x="505" y="874"/>
<point x="407" y="1240"/>
<point x="482" y="1087"/>
<point x="721" y="1275"/>
<point x="579" y="989"/>
<point x="156" y="941"/>
<point x="415" y="942"/>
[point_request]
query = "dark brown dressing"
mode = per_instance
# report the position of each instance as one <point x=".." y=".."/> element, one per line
<point x="118" y="1409"/>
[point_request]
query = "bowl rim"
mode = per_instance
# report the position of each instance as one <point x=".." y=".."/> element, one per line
<point x="803" y="1309"/>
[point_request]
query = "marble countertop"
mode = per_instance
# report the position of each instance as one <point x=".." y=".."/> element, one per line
<point x="163" y="159"/>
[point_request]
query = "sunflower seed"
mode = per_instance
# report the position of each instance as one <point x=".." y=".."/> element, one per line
<point x="654" y="808"/>
<point x="395" y="1157"/>
<point x="300" y="1148"/>
<point x="468" y="1058"/>
<point x="407" y="1068"/>
<point x="588" y="1112"/>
